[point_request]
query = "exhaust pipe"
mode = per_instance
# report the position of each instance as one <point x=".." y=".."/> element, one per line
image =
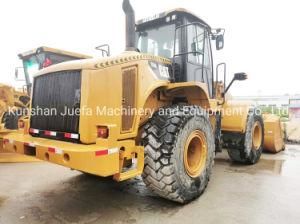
<point x="130" y="25"/>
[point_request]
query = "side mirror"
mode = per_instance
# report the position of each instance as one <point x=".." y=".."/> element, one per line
<point x="220" y="42"/>
<point x="105" y="50"/>
<point x="241" y="76"/>
<point x="237" y="77"/>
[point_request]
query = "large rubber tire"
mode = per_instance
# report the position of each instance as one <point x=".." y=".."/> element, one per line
<point x="164" y="138"/>
<point x="245" y="151"/>
<point x="10" y="120"/>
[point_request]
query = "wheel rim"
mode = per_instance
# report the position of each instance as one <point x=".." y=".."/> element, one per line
<point x="195" y="153"/>
<point x="256" y="135"/>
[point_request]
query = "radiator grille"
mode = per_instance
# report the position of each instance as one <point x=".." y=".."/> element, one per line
<point x="58" y="92"/>
<point x="128" y="96"/>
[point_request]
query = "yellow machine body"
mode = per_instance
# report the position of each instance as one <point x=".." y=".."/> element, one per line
<point x="109" y="86"/>
<point x="104" y="107"/>
<point x="120" y="94"/>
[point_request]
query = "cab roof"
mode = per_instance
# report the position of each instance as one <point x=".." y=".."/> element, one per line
<point x="52" y="50"/>
<point x="165" y="14"/>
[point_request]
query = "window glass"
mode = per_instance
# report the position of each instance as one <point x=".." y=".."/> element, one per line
<point x="207" y="54"/>
<point x="158" y="41"/>
<point x="195" y="43"/>
<point x="207" y="64"/>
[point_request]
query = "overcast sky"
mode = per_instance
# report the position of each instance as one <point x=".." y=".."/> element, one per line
<point x="261" y="39"/>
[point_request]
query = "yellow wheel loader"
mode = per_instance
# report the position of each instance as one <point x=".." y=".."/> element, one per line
<point x="157" y="110"/>
<point x="33" y="60"/>
<point x="15" y="103"/>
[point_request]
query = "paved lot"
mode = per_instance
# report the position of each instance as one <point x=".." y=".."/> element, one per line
<point x="268" y="192"/>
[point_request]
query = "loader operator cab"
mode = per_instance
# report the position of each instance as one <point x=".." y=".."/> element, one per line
<point x="40" y="58"/>
<point x="186" y="40"/>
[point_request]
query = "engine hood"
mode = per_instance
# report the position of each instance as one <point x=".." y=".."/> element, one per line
<point x="100" y="63"/>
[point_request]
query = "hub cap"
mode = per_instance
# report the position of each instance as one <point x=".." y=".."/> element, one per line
<point x="195" y="153"/>
<point x="256" y="135"/>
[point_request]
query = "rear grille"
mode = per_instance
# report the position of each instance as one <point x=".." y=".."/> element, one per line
<point x="58" y="92"/>
<point x="128" y="96"/>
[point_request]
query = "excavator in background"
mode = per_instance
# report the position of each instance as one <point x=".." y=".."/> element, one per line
<point x="14" y="103"/>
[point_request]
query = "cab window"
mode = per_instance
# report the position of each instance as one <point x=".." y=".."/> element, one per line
<point x="196" y="37"/>
<point x="158" y="41"/>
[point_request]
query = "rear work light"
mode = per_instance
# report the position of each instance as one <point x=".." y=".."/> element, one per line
<point x="102" y="132"/>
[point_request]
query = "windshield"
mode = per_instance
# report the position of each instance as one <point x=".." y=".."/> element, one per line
<point x="157" y="41"/>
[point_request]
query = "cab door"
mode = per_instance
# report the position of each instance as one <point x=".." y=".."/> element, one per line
<point x="199" y="63"/>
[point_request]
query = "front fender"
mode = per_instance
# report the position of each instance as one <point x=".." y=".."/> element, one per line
<point x="234" y="116"/>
